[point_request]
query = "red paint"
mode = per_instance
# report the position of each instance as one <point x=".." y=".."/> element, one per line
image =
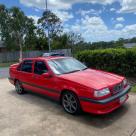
<point x="82" y="83"/>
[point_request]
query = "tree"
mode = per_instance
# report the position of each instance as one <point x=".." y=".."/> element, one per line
<point x="51" y="24"/>
<point x="119" y="43"/>
<point x="4" y="20"/>
<point x="74" y="38"/>
<point x="21" y="27"/>
<point x="16" y="29"/>
<point x="41" y="42"/>
<point x="60" y="42"/>
<point x="5" y="31"/>
<point x="31" y="35"/>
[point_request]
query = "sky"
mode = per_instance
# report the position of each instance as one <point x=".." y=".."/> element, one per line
<point x="95" y="20"/>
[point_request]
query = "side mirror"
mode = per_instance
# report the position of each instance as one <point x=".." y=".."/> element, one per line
<point x="46" y="75"/>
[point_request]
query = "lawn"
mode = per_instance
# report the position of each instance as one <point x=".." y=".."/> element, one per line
<point x="6" y="64"/>
<point x="134" y="89"/>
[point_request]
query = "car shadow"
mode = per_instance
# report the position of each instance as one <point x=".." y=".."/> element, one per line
<point x="97" y="121"/>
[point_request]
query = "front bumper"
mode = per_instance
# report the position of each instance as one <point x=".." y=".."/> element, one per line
<point x="106" y="105"/>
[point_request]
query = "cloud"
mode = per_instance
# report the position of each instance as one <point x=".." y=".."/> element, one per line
<point x="94" y="29"/>
<point x="61" y="4"/>
<point x="120" y="19"/>
<point x="37" y="10"/>
<point x="116" y="20"/>
<point x="128" y="6"/>
<point x="112" y="9"/>
<point x="89" y="12"/>
<point x="63" y="15"/>
<point x="53" y="4"/>
<point x="35" y="18"/>
<point x="118" y="26"/>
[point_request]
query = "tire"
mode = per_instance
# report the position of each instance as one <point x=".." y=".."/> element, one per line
<point x="70" y="103"/>
<point x="19" y="88"/>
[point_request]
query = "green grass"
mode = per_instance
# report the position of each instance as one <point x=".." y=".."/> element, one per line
<point x="134" y="89"/>
<point x="6" y="64"/>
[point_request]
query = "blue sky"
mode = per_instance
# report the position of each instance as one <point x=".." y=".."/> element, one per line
<point x="95" y="20"/>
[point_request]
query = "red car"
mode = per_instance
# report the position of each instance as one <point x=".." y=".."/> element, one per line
<point x="72" y="83"/>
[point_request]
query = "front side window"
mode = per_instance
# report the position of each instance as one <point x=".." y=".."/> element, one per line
<point x="66" y="65"/>
<point x="40" y="68"/>
<point x="26" y="66"/>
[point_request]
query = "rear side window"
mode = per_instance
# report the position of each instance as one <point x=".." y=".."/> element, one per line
<point x="40" y="68"/>
<point x="26" y="66"/>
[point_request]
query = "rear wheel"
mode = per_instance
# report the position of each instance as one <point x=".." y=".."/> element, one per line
<point x="19" y="88"/>
<point x="71" y="103"/>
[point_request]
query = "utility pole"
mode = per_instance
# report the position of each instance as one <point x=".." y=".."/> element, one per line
<point x="48" y="28"/>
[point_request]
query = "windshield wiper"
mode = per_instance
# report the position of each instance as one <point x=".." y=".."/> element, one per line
<point x="84" y="68"/>
<point x="72" y="71"/>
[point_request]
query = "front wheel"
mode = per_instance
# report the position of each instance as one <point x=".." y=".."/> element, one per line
<point x="71" y="103"/>
<point x="19" y="88"/>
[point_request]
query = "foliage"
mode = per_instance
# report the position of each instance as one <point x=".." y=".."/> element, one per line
<point x="18" y="31"/>
<point x="41" y="40"/>
<point x="74" y="38"/>
<point x="4" y="26"/>
<point x="67" y="40"/>
<point x="21" y="27"/>
<point x="50" y="21"/>
<point x="16" y="28"/>
<point x="120" y="61"/>
<point x="134" y="89"/>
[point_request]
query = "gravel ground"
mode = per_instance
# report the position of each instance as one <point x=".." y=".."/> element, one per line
<point x="34" y="115"/>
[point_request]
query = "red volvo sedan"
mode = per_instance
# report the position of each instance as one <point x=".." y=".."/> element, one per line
<point x="72" y="83"/>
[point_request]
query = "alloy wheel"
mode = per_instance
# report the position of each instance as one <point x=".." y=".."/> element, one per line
<point x="70" y="103"/>
<point x="19" y="88"/>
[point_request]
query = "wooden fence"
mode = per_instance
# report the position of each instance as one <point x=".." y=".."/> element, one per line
<point x="14" y="56"/>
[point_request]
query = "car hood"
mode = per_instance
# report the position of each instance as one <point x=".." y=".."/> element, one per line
<point x="93" y="78"/>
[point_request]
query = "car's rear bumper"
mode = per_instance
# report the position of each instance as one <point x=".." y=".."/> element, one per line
<point x="106" y="105"/>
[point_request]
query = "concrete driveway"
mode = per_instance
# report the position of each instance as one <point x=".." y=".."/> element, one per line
<point x="34" y="115"/>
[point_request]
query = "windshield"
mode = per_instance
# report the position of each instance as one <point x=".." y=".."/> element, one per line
<point x="66" y="65"/>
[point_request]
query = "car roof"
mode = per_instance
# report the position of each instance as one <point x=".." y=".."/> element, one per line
<point x="46" y="58"/>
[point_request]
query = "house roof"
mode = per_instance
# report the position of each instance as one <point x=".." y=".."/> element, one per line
<point x="129" y="45"/>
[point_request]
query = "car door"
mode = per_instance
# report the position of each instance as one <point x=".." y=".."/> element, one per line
<point x="25" y="74"/>
<point x="44" y="85"/>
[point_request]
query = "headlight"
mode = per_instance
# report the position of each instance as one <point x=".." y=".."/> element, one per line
<point x="102" y="92"/>
<point x="125" y="82"/>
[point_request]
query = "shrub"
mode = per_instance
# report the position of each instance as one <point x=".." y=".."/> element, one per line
<point x="120" y="61"/>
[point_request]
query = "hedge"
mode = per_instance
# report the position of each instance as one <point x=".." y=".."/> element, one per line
<point x="120" y="61"/>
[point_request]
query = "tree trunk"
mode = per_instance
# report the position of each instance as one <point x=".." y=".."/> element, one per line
<point x="20" y="53"/>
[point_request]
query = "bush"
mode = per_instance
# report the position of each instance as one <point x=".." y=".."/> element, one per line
<point x="120" y="61"/>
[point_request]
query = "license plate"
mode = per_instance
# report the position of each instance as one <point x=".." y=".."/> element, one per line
<point x="123" y="98"/>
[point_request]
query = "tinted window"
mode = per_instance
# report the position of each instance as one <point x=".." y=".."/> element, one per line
<point x="40" y="68"/>
<point x="27" y="66"/>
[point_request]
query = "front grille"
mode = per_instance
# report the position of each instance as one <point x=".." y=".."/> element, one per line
<point x="117" y="88"/>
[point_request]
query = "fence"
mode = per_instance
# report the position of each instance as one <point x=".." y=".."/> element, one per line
<point x="14" y="56"/>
